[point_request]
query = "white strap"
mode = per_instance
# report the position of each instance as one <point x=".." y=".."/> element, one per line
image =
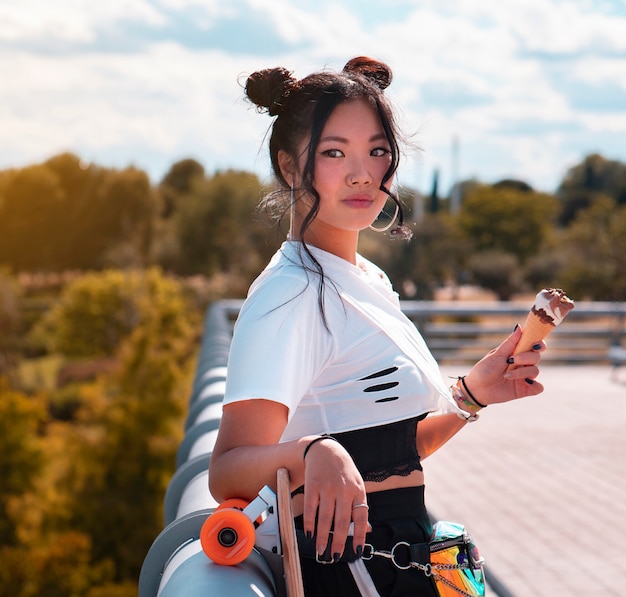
<point x="363" y="579"/>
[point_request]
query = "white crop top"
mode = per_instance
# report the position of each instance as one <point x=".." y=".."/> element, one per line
<point x="368" y="367"/>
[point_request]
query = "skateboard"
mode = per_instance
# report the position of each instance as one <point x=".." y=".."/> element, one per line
<point x="291" y="556"/>
<point x="230" y="533"/>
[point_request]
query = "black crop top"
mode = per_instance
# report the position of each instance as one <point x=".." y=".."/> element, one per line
<point x="384" y="451"/>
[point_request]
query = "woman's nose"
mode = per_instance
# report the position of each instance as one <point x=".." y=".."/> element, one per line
<point x="359" y="174"/>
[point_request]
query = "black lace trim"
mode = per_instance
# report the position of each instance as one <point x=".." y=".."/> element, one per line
<point x="399" y="470"/>
<point x="384" y="451"/>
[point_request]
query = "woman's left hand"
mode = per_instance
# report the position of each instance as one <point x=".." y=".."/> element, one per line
<point x="491" y="381"/>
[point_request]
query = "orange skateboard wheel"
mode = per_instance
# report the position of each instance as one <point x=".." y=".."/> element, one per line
<point x="237" y="503"/>
<point x="227" y="536"/>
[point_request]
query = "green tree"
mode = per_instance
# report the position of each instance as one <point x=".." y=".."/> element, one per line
<point x="508" y="219"/>
<point x="496" y="271"/>
<point x="60" y="567"/>
<point x="119" y="452"/>
<point x="96" y="312"/>
<point x="218" y="227"/>
<point x="81" y="184"/>
<point x="544" y="269"/>
<point x="68" y="214"/>
<point x="432" y="258"/>
<point x="596" y="173"/>
<point x="9" y="322"/>
<point x="126" y="218"/>
<point x="21" y="455"/>
<point x="177" y="183"/>
<point x="126" y="446"/>
<point x="175" y="187"/>
<point x="595" y="243"/>
<point x="31" y="219"/>
<point x="588" y="181"/>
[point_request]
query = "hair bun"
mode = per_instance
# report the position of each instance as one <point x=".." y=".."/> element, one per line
<point x="270" y="88"/>
<point x="377" y="72"/>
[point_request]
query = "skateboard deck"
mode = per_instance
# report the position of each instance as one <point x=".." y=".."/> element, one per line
<point x="291" y="557"/>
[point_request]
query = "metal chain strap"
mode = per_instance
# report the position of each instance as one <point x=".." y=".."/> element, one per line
<point x="428" y="569"/>
<point x="445" y="581"/>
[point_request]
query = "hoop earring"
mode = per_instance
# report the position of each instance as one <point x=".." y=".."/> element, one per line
<point x="391" y="222"/>
<point x="292" y="212"/>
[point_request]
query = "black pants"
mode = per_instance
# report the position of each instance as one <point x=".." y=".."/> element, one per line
<point x="395" y="515"/>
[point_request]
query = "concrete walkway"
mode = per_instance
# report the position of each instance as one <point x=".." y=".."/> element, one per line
<point x="541" y="485"/>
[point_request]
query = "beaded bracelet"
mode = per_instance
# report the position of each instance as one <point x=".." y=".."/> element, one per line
<point x="468" y="410"/>
<point x="471" y="396"/>
<point x="314" y="441"/>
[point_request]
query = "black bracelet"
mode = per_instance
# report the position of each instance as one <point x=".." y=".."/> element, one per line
<point x="314" y="441"/>
<point x="470" y="394"/>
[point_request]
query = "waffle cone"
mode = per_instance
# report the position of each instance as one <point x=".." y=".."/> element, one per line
<point x="534" y="331"/>
<point x="550" y="307"/>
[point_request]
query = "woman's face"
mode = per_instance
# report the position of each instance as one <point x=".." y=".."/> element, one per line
<point x="351" y="159"/>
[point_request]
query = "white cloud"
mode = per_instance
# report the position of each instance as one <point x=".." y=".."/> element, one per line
<point x="164" y="100"/>
<point x="69" y="20"/>
<point x="506" y="78"/>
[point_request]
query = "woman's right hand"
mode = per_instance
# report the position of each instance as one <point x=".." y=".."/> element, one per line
<point x="247" y="455"/>
<point x="332" y="488"/>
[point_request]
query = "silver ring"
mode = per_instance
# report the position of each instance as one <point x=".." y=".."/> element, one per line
<point x="360" y="506"/>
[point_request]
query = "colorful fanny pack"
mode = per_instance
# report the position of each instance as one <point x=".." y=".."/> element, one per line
<point x="455" y="564"/>
<point x="450" y="557"/>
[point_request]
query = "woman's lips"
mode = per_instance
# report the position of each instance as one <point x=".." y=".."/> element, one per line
<point x="359" y="201"/>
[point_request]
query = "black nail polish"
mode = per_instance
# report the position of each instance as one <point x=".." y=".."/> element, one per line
<point x="529" y="381"/>
<point x="516" y="326"/>
<point x="536" y="346"/>
<point x="359" y="551"/>
<point x="309" y="535"/>
<point x="510" y="360"/>
<point x="336" y="557"/>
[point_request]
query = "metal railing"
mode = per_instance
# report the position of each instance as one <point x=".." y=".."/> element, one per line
<point x="175" y="565"/>
<point x="465" y="331"/>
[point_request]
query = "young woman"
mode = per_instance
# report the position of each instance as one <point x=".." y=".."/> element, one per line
<point x="326" y="376"/>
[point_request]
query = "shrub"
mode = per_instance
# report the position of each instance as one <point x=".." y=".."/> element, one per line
<point x="98" y="311"/>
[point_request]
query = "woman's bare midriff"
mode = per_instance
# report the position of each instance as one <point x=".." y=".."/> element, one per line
<point x="415" y="479"/>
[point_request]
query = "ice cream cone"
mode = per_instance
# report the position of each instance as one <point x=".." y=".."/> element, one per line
<point x="533" y="331"/>
<point x="549" y="309"/>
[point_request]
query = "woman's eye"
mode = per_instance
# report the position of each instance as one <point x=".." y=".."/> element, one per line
<point x="380" y="152"/>
<point x="333" y="153"/>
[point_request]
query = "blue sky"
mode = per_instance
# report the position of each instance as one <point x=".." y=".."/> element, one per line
<point x="523" y="88"/>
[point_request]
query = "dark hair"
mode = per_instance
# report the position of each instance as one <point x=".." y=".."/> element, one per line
<point x="301" y="109"/>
